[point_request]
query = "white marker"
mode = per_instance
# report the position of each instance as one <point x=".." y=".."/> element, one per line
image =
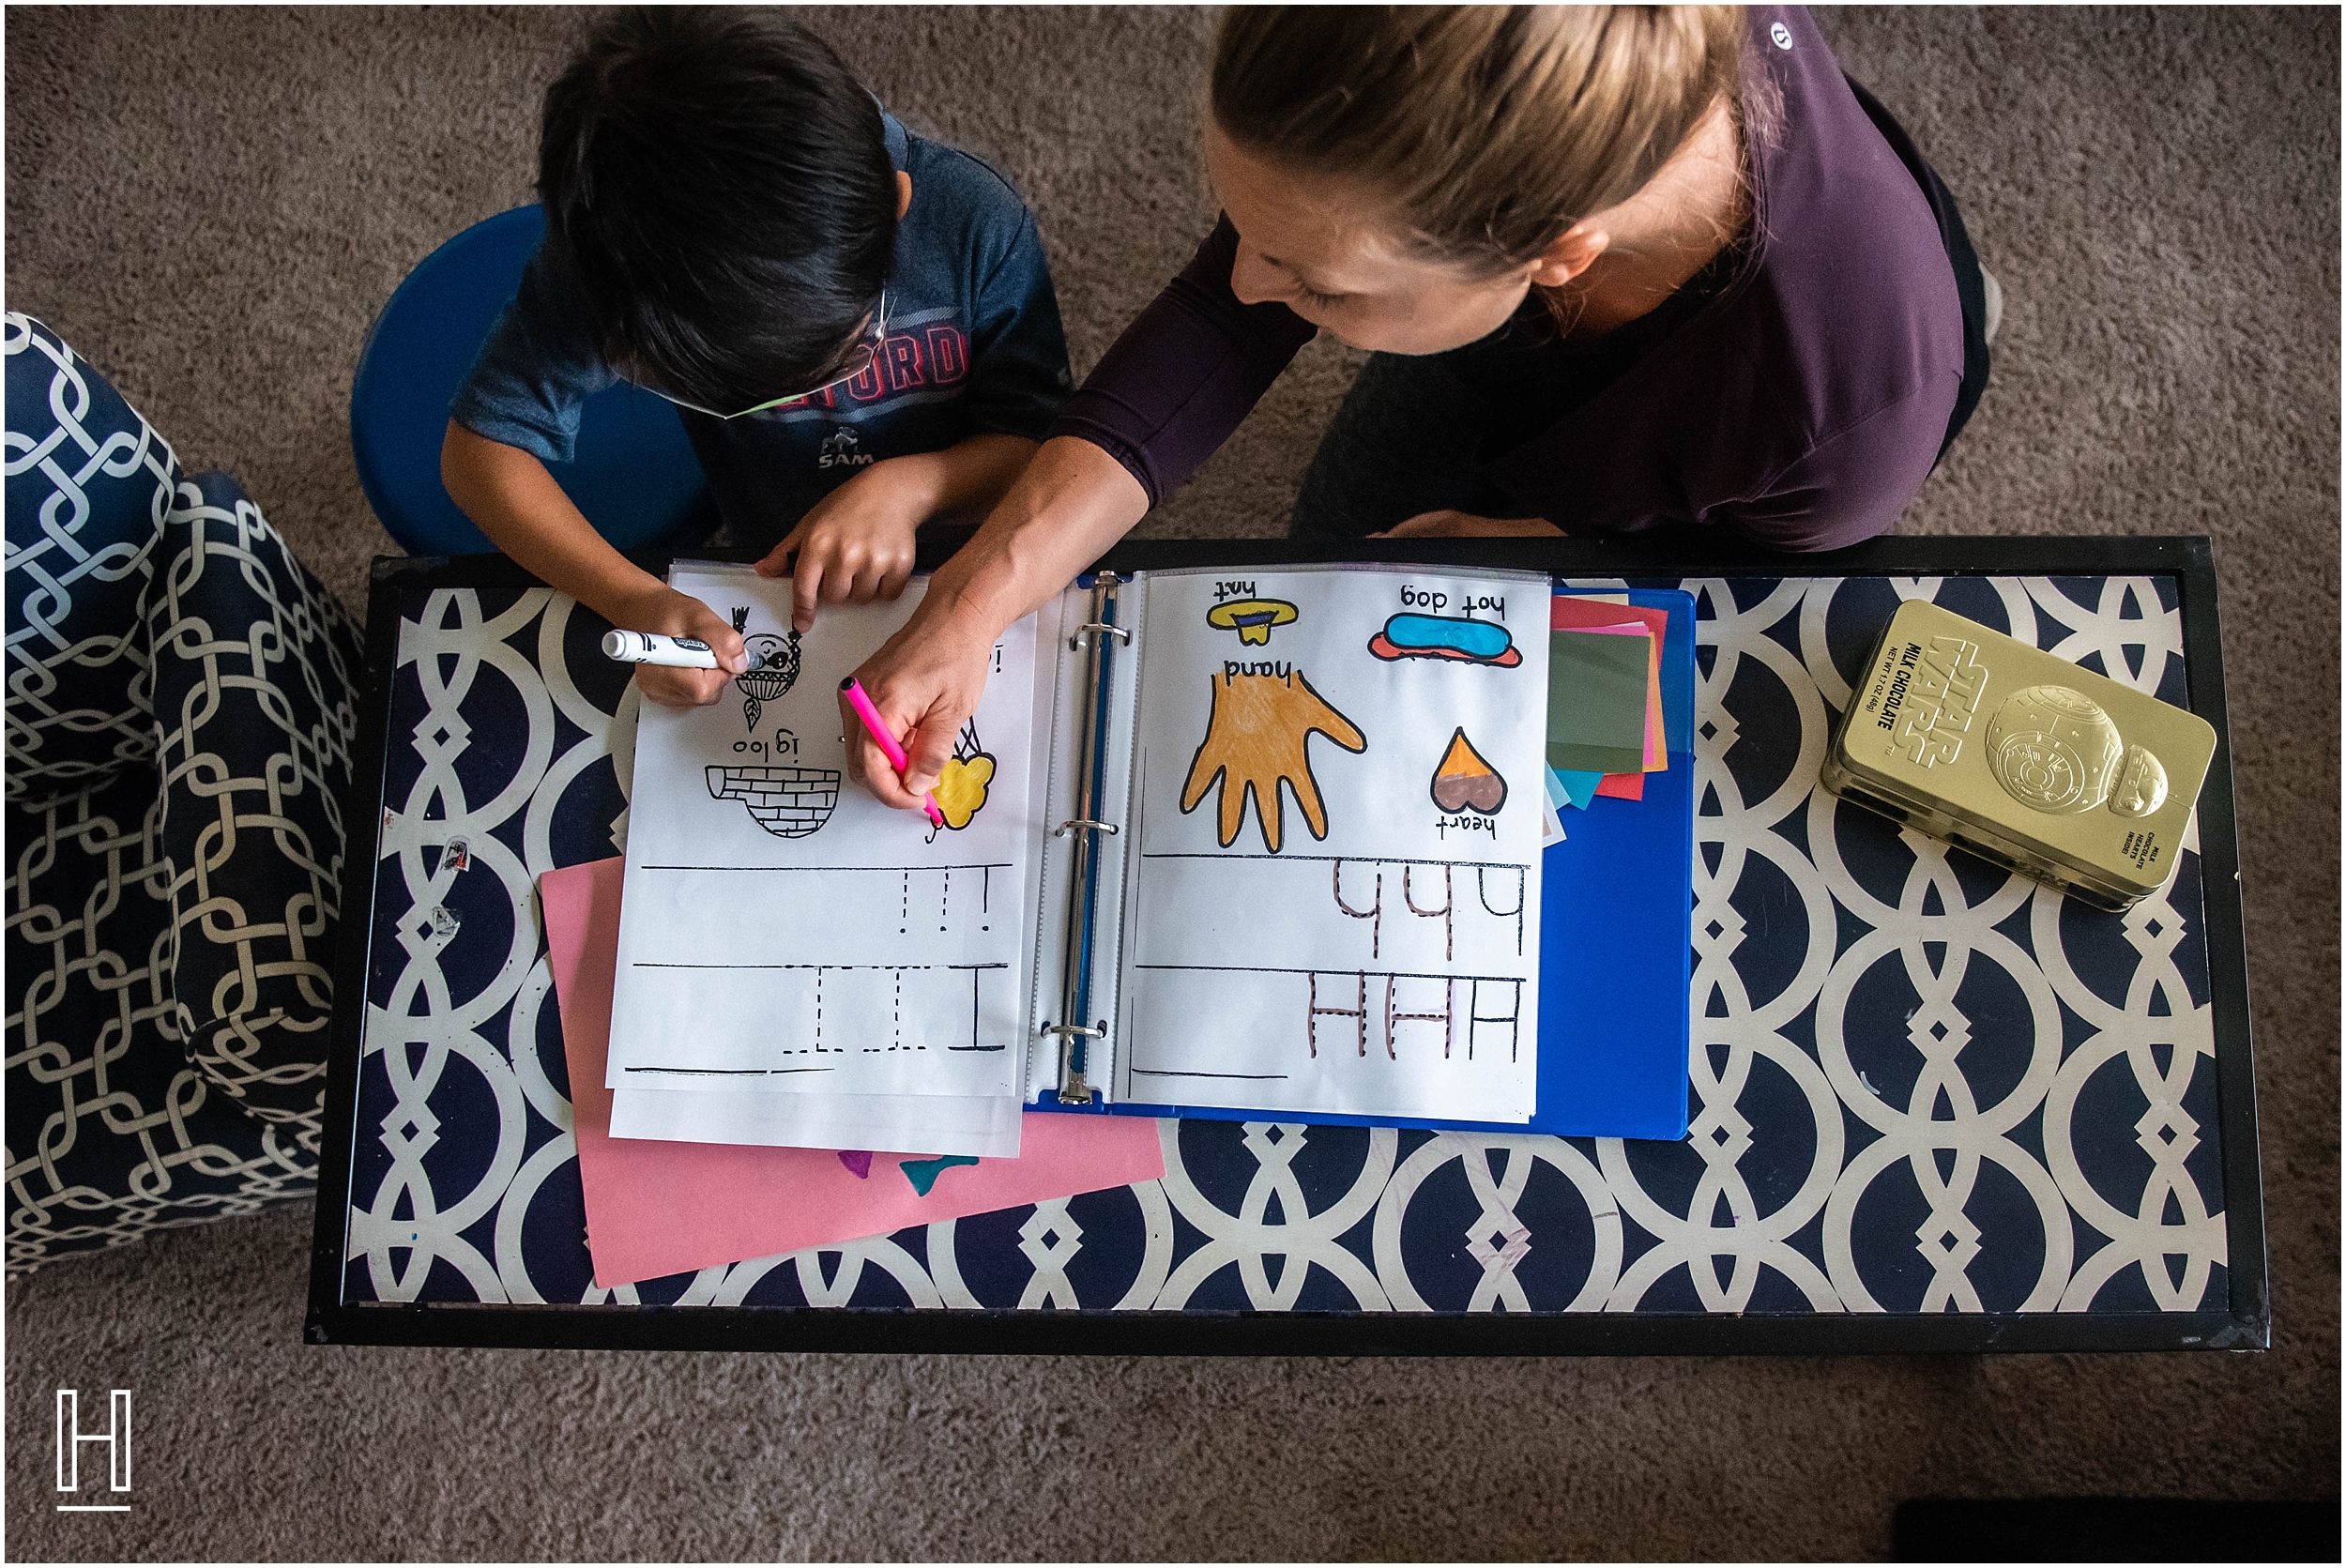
<point x="650" y="648"/>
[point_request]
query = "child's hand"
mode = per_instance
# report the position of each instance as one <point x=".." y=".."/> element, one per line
<point x="855" y="544"/>
<point x="659" y="608"/>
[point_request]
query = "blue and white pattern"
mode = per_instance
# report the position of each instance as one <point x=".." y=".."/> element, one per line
<point x="99" y="484"/>
<point x="179" y="718"/>
<point x="1920" y="1085"/>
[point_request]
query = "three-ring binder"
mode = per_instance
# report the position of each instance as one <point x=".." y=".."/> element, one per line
<point x="1086" y="830"/>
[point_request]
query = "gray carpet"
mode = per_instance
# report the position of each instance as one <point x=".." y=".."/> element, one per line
<point x="212" y="204"/>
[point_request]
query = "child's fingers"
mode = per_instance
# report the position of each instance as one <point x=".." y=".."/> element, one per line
<point x="871" y="580"/>
<point x="679" y="688"/>
<point x="806" y="587"/>
<point x="722" y="640"/>
<point x="838" y="578"/>
<point x="894" y="566"/>
<point x="777" y="561"/>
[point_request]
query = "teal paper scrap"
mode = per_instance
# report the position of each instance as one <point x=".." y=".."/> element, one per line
<point x="1580" y="788"/>
<point x="1596" y="700"/>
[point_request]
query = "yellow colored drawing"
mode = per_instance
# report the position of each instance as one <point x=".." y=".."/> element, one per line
<point x="1257" y="737"/>
<point x="1251" y="619"/>
<point x="961" y="789"/>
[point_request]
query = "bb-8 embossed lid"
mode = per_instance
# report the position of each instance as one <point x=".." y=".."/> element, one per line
<point x="2065" y="774"/>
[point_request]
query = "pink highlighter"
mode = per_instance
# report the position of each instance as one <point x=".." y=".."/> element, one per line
<point x="895" y="754"/>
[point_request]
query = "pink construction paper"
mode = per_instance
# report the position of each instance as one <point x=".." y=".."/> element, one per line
<point x="1567" y="613"/>
<point x="1621" y="786"/>
<point x="656" y="1208"/>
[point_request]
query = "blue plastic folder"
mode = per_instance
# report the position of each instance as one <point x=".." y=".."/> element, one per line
<point x="1616" y="948"/>
<point x="1616" y="940"/>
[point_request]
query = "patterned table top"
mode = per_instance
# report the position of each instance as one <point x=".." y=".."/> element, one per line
<point x="1921" y="1085"/>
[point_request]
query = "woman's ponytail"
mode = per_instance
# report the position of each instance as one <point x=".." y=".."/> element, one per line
<point x="1486" y="130"/>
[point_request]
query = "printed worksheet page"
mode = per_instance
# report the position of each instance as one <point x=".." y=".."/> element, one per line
<point x="781" y="930"/>
<point x="1333" y="902"/>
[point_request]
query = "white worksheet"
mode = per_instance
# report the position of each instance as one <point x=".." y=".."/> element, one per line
<point x="986" y="1128"/>
<point x="1331" y="899"/>
<point x="782" y="933"/>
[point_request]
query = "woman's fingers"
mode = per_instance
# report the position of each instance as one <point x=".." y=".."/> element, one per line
<point x="1427" y="525"/>
<point x="1457" y="525"/>
<point x="928" y="748"/>
<point x="873" y="772"/>
<point x="924" y="693"/>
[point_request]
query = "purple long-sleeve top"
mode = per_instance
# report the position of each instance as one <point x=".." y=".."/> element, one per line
<point x="1801" y="404"/>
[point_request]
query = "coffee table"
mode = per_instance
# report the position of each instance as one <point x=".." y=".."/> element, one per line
<point x="1935" y="1107"/>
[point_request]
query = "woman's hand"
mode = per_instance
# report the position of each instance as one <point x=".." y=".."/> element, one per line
<point x="925" y="681"/>
<point x="659" y="608"/>
<point x="856" y="543"/>
<point x="1465" y="524"/>
<point x="1060" y="513"/>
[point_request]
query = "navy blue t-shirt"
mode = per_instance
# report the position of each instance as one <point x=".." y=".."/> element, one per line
<point x="974" y="346"/>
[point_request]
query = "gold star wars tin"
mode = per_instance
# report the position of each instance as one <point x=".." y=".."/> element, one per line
<point x="1975" y="738"/>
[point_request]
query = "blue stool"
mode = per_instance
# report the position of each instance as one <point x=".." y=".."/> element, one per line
<point x="634" y="473"/>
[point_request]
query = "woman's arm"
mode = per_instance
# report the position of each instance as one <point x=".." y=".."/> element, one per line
<point x="1165" y="396"/>
<point x="1070" y="505"/>
<point x="1183" y="376"/>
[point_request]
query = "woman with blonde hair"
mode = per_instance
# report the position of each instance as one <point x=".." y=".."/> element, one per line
<point x="1619" y="268"/>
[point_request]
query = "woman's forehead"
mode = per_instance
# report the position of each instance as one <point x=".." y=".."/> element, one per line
<point x="1327" y="234"/>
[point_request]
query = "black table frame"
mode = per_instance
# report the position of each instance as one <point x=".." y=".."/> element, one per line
<point x="2243" y="1324"/>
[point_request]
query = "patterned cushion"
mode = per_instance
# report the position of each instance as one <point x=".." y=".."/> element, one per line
<point x="171" y="926"/>
<point x="89" y="484"/>
<point x="255" y="701"/>
<point x="110" y="1131"/>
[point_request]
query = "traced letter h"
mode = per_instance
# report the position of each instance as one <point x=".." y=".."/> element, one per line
<point x="70" y="1437"/>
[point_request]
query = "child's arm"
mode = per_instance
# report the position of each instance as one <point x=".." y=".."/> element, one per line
<point x="511" y="498"/>
<point x="856" y="543"/>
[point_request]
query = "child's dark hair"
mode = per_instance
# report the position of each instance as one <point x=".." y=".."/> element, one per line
<point x="720" y="186"/>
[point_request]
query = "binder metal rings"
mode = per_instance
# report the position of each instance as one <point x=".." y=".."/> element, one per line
<point x="1072" y="823"/>
<point x="1072" y="1029"/>
<point x="1122" y="634"/>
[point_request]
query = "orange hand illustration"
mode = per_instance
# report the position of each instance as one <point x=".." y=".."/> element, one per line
<point x="1256" y="738"/>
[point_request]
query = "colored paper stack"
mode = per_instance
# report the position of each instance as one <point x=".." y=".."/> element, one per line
<point x="1604" y="698"/>
<point x="655" y="1206"/>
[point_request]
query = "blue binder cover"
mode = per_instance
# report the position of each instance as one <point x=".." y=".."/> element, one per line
<point x="1616" y="948"/>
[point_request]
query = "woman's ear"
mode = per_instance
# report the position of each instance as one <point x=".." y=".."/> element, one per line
<point x="1570" y="254"/>
<point x="904" y="194"/>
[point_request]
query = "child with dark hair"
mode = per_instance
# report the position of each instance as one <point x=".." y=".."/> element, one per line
<point x="856" y="326"/>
